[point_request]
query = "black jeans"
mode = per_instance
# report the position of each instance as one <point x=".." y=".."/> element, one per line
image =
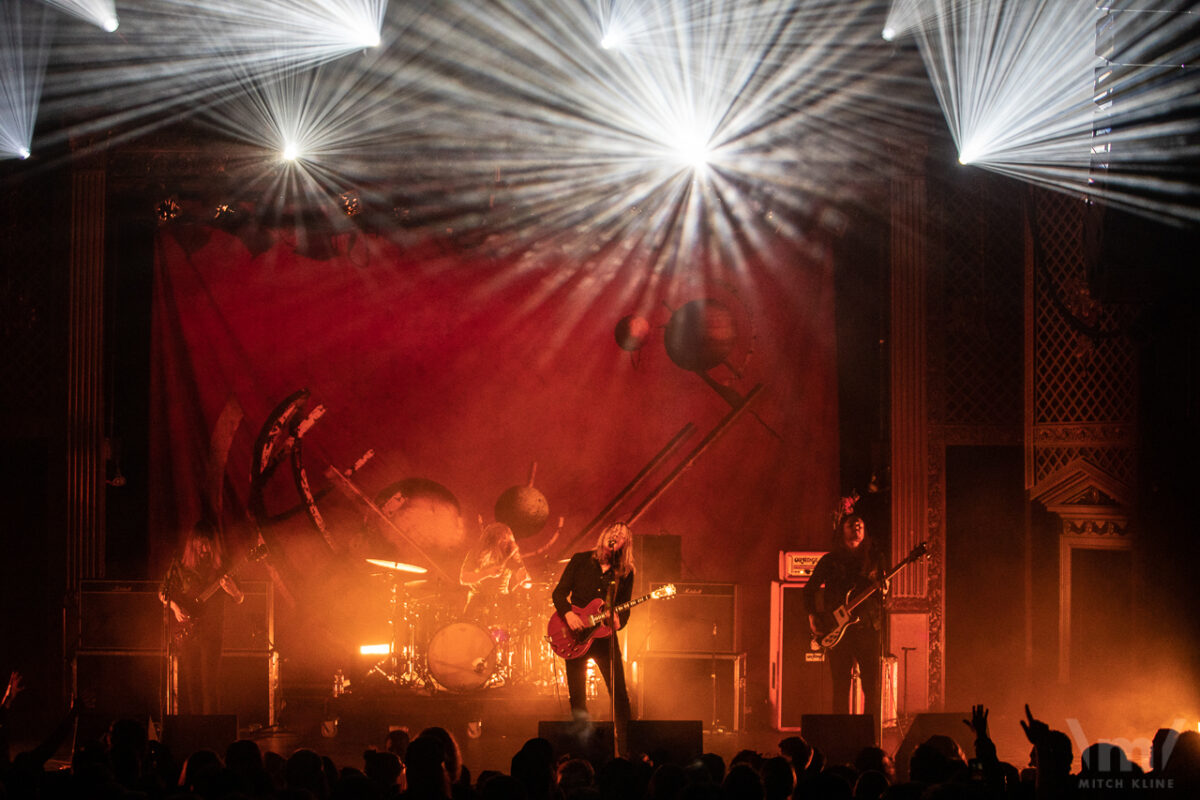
<point x="577" y="679"/>
<point x="861" y="644"/>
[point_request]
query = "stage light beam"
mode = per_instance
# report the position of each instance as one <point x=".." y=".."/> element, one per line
<point x="612" y="39"/>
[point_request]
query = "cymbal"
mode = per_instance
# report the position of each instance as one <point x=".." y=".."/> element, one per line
<point x="397" y="566"/>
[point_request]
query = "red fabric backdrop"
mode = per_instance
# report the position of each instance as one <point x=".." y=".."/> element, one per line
<point x="465" y="370"/>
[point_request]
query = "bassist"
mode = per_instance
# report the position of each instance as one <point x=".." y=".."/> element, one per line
<point x="852" y="565"/>
<point x="199" y="569"/>
<point x="606" y="572"/>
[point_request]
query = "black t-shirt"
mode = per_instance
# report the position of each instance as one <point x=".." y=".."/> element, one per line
<point x="836" y="574"/>
<point x="583" y="581"/>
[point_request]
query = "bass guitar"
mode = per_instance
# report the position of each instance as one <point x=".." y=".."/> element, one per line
<point x="188" y="609"/>
<point x="567" y="643"/>
<point x="833" y="626"/>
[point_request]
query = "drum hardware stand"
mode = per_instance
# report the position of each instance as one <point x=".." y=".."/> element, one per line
<point x="388" y="667"/>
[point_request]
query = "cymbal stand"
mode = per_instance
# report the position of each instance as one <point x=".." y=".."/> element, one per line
<point x="387" y="667"/>
<point x="400" y="666"/>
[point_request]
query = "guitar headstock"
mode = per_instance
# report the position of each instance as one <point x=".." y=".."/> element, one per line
<point x="664" y="591"/>
<point x="918" y="552"/>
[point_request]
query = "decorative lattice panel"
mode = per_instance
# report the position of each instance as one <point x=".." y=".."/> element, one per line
<point x="976" y="314"/>
<point x="981" y="312"/>
<point x="1118" y="461"/>
<point x="1084" y="366"/>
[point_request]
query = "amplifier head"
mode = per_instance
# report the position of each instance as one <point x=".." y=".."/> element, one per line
<point x="797" y="565"/>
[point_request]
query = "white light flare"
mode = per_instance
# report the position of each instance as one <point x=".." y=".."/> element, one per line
<point x="906" y="15"/>
<point x="690" y="148"/>
<point x="101" y="13"/>
<point x="24" y="50"/>
<point x="1017" y="85"/>
<point x="612" y="38"/>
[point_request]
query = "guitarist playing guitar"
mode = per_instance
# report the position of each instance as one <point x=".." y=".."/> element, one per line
<point x="194" y="590"/>
<point x="853" y="565"/>
<point x="603" y="573"/>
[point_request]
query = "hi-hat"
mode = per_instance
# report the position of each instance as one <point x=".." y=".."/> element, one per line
<point x="397" y="566"/>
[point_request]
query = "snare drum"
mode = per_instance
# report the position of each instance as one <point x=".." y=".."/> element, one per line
<point x="462" y="656"/>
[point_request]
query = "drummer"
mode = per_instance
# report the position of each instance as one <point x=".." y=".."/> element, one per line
<point x="492" y="570"/>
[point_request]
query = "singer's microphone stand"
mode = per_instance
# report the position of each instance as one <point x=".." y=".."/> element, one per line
<point x="611" y="601"/>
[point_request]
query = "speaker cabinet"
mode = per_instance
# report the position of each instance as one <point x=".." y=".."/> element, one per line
<point x="700" y="618"/>
<point x="799" y="681"/>
<point x="589" y="740"/>
<point x="122" y="684"/>
<point x="841" y="737"/>
<point x="933" y="724"/>
<point x="659" y="559"/>
<point x="250" y="625"/>
<point x="691" y="686"/>
<point x="184" y="734"/>
<point x="248" y="688"/>
<point x="120" y="615"/>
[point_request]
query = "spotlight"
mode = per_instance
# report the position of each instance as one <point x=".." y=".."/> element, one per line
<point x="375" y="649"/>
<point x="968" y="154"/>
<point x="111" y="24"/>
<point x="291" y="151"/>
<point x="167" y="210"/>
<point x="351" y="204"/>
<point x="24" y="153"/>
<point x="613" y="37"/>
<point x="692" y="150"/>
<point x="889" y="33"/>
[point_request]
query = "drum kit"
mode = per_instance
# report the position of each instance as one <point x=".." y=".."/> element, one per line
<point x="435" y="646"/>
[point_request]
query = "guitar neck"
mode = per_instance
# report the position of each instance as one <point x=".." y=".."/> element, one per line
<point x="598" y="618"/>
<point x="865" y="594"/>
<point x="213" y="587"/>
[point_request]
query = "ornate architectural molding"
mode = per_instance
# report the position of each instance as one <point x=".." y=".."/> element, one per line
<point x="1082" y="433"/>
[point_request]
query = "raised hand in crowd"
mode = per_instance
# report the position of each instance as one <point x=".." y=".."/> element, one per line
<point x="1052" y="754"/>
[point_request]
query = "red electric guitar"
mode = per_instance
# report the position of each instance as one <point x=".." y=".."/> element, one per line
<point x="567" y="643"/>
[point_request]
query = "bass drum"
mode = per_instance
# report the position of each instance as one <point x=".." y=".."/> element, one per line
<point x="461" y="656"/>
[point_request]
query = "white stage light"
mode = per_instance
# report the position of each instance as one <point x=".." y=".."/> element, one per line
<point x="1025" y="93"/>
<point x="101" y="13"/>
<point x="613" y="38"/>
<point x="291" y="151"/>
<point x="889" y="34"/>
<point x="692" y="150"/>
<point x="24" y="153"/>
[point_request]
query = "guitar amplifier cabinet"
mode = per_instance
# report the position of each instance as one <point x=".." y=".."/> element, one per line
<point x="680" y="686"/>
<point x="122" y="654"/>
<point x="127" y="617"/>
<point x="123" y="616"/>
<point x="800" y="682"/>
<point x="700" y="618"/>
